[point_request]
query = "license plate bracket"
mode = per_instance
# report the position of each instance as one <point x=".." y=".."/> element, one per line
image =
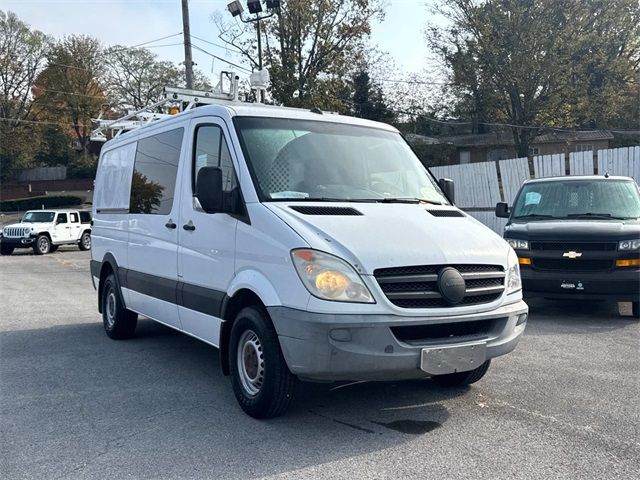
<point x="451" y="359"/>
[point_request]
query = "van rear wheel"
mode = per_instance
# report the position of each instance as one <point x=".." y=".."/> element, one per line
<point x="462" y="378"/>
<point x="261" y="380"/>
<point x="119" y="323"/>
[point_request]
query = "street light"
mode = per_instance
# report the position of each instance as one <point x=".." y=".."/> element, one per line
<point x="255" y="8"/>
<point x="235" y="8"/>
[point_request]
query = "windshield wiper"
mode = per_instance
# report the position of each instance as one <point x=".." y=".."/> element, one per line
<point x="536" y="215"/>
<point x="407" y="200"/>
<point x="595" y="215"/>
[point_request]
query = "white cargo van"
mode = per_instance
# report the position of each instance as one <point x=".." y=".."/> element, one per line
<point x="304" y="246"/>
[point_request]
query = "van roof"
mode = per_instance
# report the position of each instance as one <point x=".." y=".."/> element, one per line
<point x="242" y="109"/>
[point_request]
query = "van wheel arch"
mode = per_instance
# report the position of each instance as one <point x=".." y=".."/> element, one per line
<point x="231" y="306"/>
<point x="108" y="266"/>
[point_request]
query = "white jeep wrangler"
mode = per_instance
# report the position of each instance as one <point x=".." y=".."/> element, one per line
<point x="46" y="230"/>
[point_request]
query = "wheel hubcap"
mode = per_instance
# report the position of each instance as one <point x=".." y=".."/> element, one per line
<point x="43" y="245"/>
<point x="86" y="241"/>
<point x="250" y="362"/>
<point x="111" y="308"/>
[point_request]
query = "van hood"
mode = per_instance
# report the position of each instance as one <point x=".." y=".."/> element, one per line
<point x="575" y="230"/>
<point x="393" y="235"/>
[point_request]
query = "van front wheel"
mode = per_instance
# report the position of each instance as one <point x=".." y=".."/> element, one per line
<point x="261" y="380"/>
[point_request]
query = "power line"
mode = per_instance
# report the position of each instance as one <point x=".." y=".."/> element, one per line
<point x="226" y="47"/>
<point x="222" y="59"/>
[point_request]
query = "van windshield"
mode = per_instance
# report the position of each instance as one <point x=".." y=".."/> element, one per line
<point x="38" y="217"/>
<point x="593" y="199"/>
<point x="314" y="160"/>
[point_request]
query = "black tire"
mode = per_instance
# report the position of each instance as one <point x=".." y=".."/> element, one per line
<point x="85" y="241"/>
<point x="53" y="248"/>
<point x="635" y="310"/>
<point x="6" y="250"/>
<point x="42" y="246"/>
<point x="119" y="323"/>
<point x="462" y="378"/>
<point x="261" y="380"/>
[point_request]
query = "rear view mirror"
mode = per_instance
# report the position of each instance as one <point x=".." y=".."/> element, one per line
<point x="447" y="187"/>
<point x="209" y="189"/>
<point x="502" y="210"/>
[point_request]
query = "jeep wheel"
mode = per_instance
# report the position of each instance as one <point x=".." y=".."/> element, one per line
<point x="462" y="378"/>
<point x="42" y="245"/>
<point x="119" y="323"/>
<point x="53" y="248"/>
<point x="85" y="241"/>
<point x="6" y="250"/>
<point x="261" y="380"/>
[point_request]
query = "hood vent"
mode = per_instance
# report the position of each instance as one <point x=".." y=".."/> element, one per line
<point x="322" y="210"/>
<point x="446" y="213"/>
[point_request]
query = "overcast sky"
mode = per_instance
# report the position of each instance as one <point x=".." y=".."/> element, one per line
<point x="131" y="22"/>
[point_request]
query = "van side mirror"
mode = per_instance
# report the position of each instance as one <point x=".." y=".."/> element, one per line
<point x="502" y="210"/>
<point x="447" y="187"/>
<point x="209" y="189"/>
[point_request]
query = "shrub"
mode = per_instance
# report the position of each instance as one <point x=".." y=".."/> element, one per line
<point x="36" y="203"/>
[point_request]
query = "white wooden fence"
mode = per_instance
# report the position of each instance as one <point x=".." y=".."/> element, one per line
<point x="478" y="187"/>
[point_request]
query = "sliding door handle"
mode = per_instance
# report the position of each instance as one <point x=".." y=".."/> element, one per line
<point x="190" y="227"/>
<point x="170" y="225"/>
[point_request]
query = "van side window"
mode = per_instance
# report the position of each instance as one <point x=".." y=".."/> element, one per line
<point x="74" y="217"/>
<point x="154" y="173"/>
<point x="212" y="151"/>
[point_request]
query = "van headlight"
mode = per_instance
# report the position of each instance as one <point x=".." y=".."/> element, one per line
<point x="514" y="282"/>
<point x="329" y="278"/>
<point x="629" y="245"/>
<point x="518" y="244"/>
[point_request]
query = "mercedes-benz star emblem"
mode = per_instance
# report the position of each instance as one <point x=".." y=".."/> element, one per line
<point x="451" y="285"/>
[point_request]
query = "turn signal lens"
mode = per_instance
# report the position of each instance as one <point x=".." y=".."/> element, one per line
<point x="524" y="261"/>
<point x="632" y="262"/>
<point x="329" y="278"/>
<point x="332" y="284"/>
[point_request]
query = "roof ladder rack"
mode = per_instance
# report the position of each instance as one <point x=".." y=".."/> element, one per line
<point x="175" y="100"/>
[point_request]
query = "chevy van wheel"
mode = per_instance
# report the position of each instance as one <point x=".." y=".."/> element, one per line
<point x="462" y="378"/>
<point x="42" y="245"/>
<point x="119" y="323"/>
<point x="85" y="241"/>
<point x="261" y="380"/>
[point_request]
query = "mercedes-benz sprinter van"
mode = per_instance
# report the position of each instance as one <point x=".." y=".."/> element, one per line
<point x="303" y="246"/>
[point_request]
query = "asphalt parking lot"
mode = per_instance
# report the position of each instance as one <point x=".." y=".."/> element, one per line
<point x="75" y="404"/>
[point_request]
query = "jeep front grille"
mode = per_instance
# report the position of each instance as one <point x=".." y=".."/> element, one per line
<point x="15" y="231"/>
<point x="417" y="286"/>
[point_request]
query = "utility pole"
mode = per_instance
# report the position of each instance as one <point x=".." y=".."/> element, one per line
<point x="188" y="59"/>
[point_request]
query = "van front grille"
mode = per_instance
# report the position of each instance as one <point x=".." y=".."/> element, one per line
<point x="417" y="286"/>
<point x="571" y="265"/>
<point x="575" y="246"/>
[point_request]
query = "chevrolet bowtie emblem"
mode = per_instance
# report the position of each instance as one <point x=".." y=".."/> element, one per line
<point x="572" y="254"/>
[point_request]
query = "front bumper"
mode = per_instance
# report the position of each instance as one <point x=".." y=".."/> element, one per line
<point x="328" y="347"/>
<point x="620" y="284"/>
<point x="17" y="242"/>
